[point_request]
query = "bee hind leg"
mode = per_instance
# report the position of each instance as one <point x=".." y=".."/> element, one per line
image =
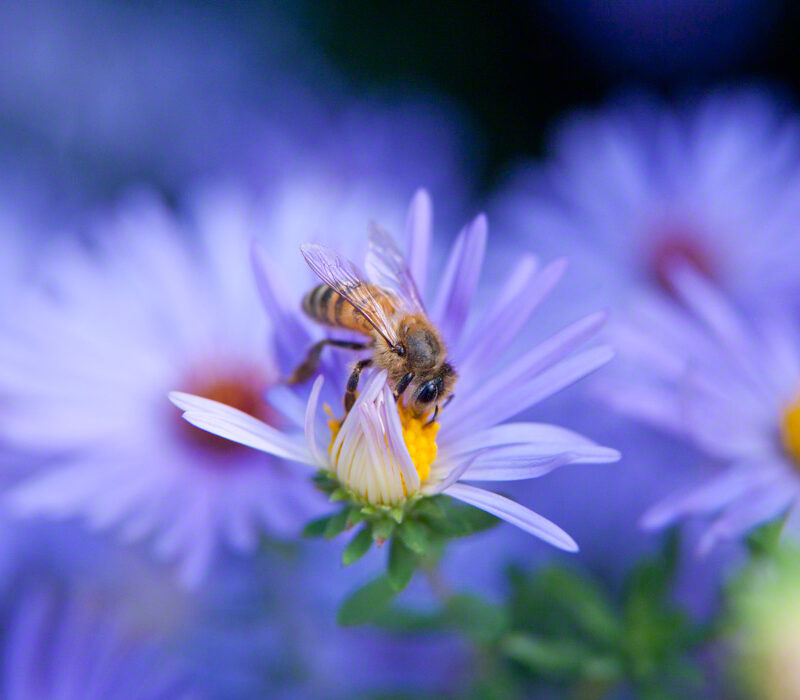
<point x="306" y="370"/>
<point x="350" y="393"/>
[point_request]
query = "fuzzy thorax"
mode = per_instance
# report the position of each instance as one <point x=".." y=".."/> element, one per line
<point x="368" y="461"/>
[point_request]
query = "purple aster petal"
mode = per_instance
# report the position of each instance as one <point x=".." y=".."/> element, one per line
<point x="712" y="308"/>
<point x="517" y="462"/>
<point x="654" y="405"/>
<point x="710" y="496"/>
<point x="238" y="426"/>
<point x="540" y="435"/>
<point x="502" y="326"/>
<point x="505" y="396"/>
<point x="281" y="307"/>
<point x="419" y="230"/>
<point x="460" y="280"/>
<point x="752" y="509"/>
<point x="726" y="424"/>
<point x="513" y="513"/>
<point x="524" y="369"/>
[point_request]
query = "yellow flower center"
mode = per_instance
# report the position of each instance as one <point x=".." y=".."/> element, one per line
<point x="790" y="430"/>
<point x="420" y="439"/>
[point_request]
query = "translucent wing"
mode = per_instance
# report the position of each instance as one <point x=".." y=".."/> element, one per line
<point x="344" y="279"/>
<point x="388" y="268"/>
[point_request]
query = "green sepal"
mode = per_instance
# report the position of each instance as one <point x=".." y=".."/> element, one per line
<point x="402" y="564"/>
<point x="367" y="603"/>
<point x="354" y="517"/>
<point x="336" y="524"/>
<point x="316" y="528"/>
<point x="358" y="546"/>
<point x="397" y="514"/>
<point x="339" y="494"/>
<point x="383" y="529"/>
<point x="415" y="536"/>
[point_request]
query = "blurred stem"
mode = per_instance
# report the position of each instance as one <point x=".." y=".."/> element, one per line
<point x="438" y="585"/>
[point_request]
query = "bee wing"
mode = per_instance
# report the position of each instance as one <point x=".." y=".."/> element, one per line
<point x="343" y="277"/>
<point x="388" y="268"/>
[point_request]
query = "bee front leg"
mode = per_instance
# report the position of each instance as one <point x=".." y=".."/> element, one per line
<point x="402" y="385"/>
<point x="309" y="366"/>
<point x="350" y="394"/>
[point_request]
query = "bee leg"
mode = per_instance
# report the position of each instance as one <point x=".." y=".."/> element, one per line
<point x="432" y="419"/>
<point x="402" y="385"/>
<point x="352" y="384"/>
<point x="309" y="366"/>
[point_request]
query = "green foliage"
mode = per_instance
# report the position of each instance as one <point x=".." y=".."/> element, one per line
<point x="763" y="541"/>
<point x="366" y="603"/>
<point x="402" y="564"/>
<point x="417" y="531"/>
<point x="567" y="629"/>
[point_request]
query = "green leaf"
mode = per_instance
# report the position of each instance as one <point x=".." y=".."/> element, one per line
<point x="480" y="620"/>
<point x="459" y="520"/>
<point x="316" y="528"/>
<point x="358" y="546"/>
<point x="367" y="603"/>
<point x="336" y="525"/>
<point x="402" y="563"/>
<point x="555" y="658"/>
<point x="404" y="620"/>
<point x="415" y="536"/>
<point x="763" y="541"/>
<point x="582" y="601"/>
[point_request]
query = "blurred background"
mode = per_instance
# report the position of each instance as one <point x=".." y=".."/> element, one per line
<point x="290" y="121"/>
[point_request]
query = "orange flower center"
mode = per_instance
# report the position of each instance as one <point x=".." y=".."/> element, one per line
<point x="241" y="387"/>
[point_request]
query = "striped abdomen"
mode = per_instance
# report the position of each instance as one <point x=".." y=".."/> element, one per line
<point x="330" y="309"/>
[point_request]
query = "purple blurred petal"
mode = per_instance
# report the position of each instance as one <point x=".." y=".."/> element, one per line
<point x="752" y="509"/>
<point x="502" y="326"/>
<point x="460" y="280"/>
<point x="419" y="230"/>
<point x="711" y="496"/>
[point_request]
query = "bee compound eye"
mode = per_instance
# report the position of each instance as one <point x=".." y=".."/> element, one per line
<point x="427" y="392"/>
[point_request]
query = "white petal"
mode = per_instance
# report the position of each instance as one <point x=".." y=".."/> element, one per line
<point x="513" y="513"/>
<point x="240" y="427"/>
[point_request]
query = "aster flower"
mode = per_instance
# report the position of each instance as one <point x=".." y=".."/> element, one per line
<point x="384" y="460"/>
<point x="85" y="369"/>
<point x="73" y="646"/>
<point x="637" y="185"/>
<point x="730" y="387"/>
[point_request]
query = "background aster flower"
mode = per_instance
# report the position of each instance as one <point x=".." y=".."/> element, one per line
<point x="84" y="374"/>
<point x="730" y="387"/>
<point x="473" y="444"/>
<point x="70" y="644"/>
<point x="636" y="185"/>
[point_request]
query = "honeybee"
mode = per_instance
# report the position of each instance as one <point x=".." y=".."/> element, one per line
<point x="390" y="312"/>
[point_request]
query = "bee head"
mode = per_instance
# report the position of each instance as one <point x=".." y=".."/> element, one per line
<point x="432" y="391"/>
